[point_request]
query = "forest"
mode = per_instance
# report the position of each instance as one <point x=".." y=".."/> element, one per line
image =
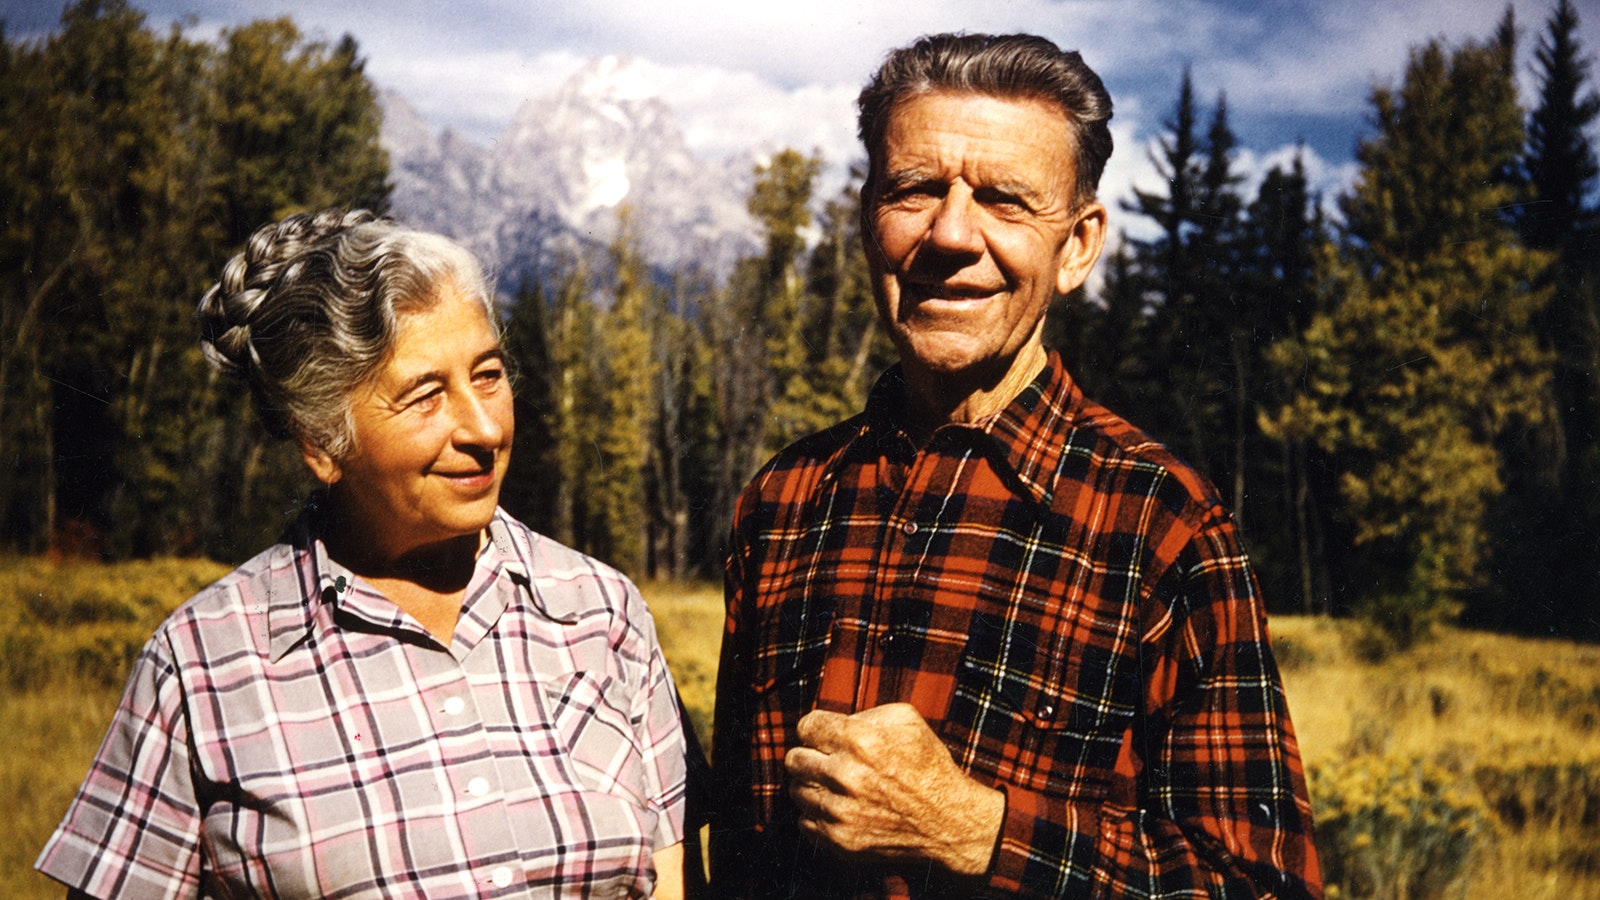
<point x="1396" y="389"/>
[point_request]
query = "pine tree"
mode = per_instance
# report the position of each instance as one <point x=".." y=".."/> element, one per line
<point x="1423" y="358"/>
<point x="1285" y="231"/>
<point x="575" y="410"/>
<point x="781" y="202"/>
<point x="1166" y="260"/>
<point x="39" y="247"/>
<point x="1198" y="343"/>
<point x="119" y="431"/>
<point x="629" y="369"/>
<point x="1560" y="531"/>
<point x="532" y="481"/>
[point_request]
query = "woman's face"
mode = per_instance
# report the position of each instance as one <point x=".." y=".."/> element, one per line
<point x="432" y="433"/>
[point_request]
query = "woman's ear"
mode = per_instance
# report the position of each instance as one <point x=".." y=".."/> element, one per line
<point x="320" y="462"/>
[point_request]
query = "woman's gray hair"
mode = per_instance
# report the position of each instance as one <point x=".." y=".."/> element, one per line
<point x="308" y="313"/>
<point x="1006" y="65"/>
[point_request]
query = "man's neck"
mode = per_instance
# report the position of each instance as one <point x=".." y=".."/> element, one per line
<point x="940" y="398"/>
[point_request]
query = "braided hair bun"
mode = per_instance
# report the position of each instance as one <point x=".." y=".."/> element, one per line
<point x="237" y="311"/>
<point x="308" y="312"/>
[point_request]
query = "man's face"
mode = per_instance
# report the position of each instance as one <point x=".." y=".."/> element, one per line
<point x="972" y="228"/>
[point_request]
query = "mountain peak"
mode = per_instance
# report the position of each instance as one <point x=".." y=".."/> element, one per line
<point x="615" y="78"/>
<point x="551" y="186"/>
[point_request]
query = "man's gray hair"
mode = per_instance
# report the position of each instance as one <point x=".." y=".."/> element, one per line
<point x="1007" y="65"/>
<point x="308" y="313"/>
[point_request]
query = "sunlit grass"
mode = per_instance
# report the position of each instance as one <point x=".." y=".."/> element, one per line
<point x="1514" y="720"/>
<point x="51" y="736"/>
<point x="688" y="620"/>
<point x="1510" y="723"/>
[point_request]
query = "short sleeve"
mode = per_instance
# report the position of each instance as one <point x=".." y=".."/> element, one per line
<point x="134" y="828"/>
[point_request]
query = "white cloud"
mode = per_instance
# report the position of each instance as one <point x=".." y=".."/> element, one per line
<point x="765" y="74"/>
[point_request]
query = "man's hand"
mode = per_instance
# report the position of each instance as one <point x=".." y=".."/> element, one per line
<point x="879" y="783"/>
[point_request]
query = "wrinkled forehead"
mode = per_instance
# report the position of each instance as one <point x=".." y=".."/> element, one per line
<point x="894" y="124"/>
<point x="1045" y="130"/>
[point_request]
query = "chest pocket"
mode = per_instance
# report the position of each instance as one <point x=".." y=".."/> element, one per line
<point x="590" y="714"/>
<point x="1040" y="708"/>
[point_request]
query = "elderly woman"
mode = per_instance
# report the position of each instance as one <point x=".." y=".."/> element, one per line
<point x="411" y="694"/>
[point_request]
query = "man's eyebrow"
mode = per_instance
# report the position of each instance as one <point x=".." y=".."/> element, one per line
<point x="1024" y="192"/>
<point x="906" y="177"/>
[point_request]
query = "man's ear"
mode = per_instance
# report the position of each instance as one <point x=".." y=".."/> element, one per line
<point x="320" y="462"/>
<point x="1083" y="247"/>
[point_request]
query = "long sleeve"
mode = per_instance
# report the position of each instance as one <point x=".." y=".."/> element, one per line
<point x="733" y="820"/>
<point x="1208" y="799"/>
<point x="1065" y="603"/>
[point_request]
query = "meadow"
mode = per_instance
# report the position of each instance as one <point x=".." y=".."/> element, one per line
<point x="1468" y="766"/>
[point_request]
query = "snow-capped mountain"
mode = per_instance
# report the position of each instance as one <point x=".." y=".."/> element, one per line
<point x="550" y="188"/>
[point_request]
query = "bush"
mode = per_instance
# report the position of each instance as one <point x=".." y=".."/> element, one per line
<point x="1563" y="795"/>
<point x="86" y="621"/>
<point x="1397" y="829"/>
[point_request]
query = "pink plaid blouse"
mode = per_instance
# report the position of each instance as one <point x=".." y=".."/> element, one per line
<point x="282" y="737"/>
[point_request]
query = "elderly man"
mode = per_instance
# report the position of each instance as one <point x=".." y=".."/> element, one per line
<point x="987" y="637"/>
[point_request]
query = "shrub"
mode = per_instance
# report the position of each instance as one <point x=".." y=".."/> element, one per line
<point x="86" y="621"/>
<point x="1392" y="828"/>
<point x="1563" y="795"/>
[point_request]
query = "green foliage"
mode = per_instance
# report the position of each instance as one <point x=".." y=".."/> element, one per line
<point x="120" y="434"/>
<point x="1422" y="358"/>
<point x="1177" y="340"/>
<point x="1404" y="424"/>
<point x="1395" y="828"/>
<point x="1554" y="526"/>
<point x="628" y="370"/>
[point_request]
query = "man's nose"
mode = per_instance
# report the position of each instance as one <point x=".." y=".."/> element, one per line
<point x="955" y="228"/>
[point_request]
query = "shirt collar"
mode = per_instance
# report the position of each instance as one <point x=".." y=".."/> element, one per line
<point x="302" y="580"/>
<point x="305" y="580"/>
<point x="522" y="556"/>
<point x="1027" y="436"/>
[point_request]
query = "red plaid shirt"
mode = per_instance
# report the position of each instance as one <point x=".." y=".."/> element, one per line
<point x="1066" y="604"/>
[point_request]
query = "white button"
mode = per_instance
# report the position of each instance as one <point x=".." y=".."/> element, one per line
<point x="501" y="877"/>
<point x="454" y="706"/>
<point x="477" y="787"/>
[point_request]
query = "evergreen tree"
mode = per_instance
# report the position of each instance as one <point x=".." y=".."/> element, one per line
<point x="1423" y="358"/>
<point x="575" y="411"/>
<point x="1196" y="391"/>
<point x="628" y="380"/>
<point x="1165" y="261"/>
<point x="532" y="482"/>
<point x="118" y="432"/>
<point x="1220" y="330"/>
<point x="1561" y="529"/>
<point x="781" y="202"/>
<point x="39" y="247"/>
<point x="1285" y="231"/>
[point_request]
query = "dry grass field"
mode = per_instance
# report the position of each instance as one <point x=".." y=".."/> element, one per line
<point x="1467" y="767"/>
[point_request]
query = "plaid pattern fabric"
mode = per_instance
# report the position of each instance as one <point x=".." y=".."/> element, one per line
<point x="1065" y="603"/>
<point x="281" y="737"/>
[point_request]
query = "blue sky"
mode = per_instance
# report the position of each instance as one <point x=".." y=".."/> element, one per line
<point x="743" y="74"/>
